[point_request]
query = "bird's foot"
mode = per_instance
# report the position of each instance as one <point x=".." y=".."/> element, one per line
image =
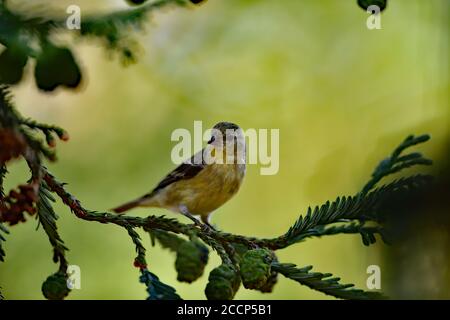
<point x="197" y="223"/>
<point x="207" y="228"/>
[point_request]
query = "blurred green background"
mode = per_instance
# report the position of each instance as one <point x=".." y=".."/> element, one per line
<point x="342" y="96"/>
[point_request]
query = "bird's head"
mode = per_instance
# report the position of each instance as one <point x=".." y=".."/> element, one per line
<point x="227" y="135"/>
<point x="223" y="126"/>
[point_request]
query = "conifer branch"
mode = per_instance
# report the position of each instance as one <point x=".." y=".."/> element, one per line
<point x="47" y="218"/>
<point x="3" y="172"/>
<point x="395" y="163"/>
<point x="166" y="239"/>
<point x="367" y="232"/>
<point x="155" y="288"/>
<point x="312" y="225"/>
<point x="324" y="282"/>
<point x="109" y="27"/>
<point x="3" y="230"/>
<point x="139" y="261"/>
<point x="359" y="208"/>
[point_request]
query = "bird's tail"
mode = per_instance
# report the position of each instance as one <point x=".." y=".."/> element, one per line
<point x="127" y="206"/>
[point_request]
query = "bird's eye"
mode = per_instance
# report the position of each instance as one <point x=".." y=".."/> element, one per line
<point x="211" y="140"/>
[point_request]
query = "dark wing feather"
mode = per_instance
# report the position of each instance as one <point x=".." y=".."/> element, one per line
<point x="184" y="171"/>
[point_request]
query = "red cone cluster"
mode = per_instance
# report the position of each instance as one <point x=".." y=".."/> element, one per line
<point x="14" y="206"/>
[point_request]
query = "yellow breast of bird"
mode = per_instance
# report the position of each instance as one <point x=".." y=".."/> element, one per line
<point x="208" y="190"/>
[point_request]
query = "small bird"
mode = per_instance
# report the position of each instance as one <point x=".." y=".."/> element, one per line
<point x="204" y="182"/>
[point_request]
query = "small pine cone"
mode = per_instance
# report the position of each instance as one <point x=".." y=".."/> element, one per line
<point x="367" y="3"/>
<point x="13" y="144"/>
<point x="50" y="62"/>
<point x="272" y="280"/>
<point x="240" y="250"/>
<point x="255" y="268"/>
<point x="13" y="194"/>
<point x="270" y="283"/>
<point x="197" y="1"/>
<point x="11" y="212"/>
<point x="55" y="287"/>
<point x="15" y="204"/>
<point x="28" y="192"/>
<point x="192" y="257"/>
<point x="223" y="283"/>
<point x="135" y="2"/>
